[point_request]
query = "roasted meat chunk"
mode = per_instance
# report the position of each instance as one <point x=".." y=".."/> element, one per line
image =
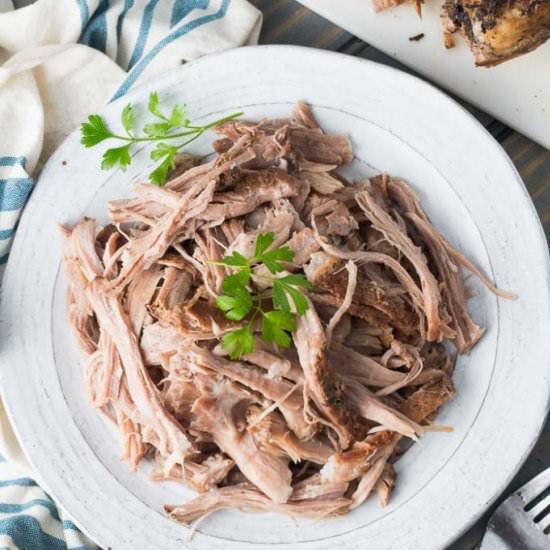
<point x="498" y="30"/>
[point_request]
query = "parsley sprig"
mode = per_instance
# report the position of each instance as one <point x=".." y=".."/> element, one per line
<point x="166" y="125"/>
<point x="241" y="298"/>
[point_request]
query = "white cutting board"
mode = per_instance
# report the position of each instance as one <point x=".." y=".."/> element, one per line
<point x="516" y="92"/>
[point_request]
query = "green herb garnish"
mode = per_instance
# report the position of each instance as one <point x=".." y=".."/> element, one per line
<point x="242" y="300"/>
<point x="165" y="126"/>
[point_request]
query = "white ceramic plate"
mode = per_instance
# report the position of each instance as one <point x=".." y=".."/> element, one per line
<point x="473" y="193"/>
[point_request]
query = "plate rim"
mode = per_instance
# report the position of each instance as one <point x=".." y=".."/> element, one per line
<point x="161" y="82"/>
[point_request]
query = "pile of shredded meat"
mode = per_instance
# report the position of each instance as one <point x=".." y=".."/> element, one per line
<point x="311" y="430"/>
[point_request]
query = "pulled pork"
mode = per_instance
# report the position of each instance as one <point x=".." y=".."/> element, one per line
<point x="307" y="431"/>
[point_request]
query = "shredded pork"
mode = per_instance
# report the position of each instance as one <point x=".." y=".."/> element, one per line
<point x="311" y="430"/>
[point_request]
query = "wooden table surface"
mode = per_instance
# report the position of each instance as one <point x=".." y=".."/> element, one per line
<point x="287" y="22"/>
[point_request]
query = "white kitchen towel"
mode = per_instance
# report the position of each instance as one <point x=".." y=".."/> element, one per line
<point x="53" y="78"/>
<point x="61" y="60"/>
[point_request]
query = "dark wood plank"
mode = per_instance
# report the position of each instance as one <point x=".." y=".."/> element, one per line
<point x="287" y="22"/>
<point x="533" y="163"/>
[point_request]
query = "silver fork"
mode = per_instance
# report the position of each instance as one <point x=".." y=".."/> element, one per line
<point x="520" y="522"/>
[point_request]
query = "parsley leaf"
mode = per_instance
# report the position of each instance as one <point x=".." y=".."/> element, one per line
<point x="118" y="155"/>
<point x="296" y="279"/>
<point x="94" y="131"/>
<point x="237" y="301"/>
<point x="163" y="150"/>
<point x="263" y="242"/>
<point x="128" y="118"/>
<point x="239" y="279"/>
<point x="159" y="174"/>
<point x="272" y="259"/>
<point x="235" y="260"/>
<point x="240" y="300"/>
<point x="238" y="342"/>
<point x="279" y="298"/>
<point x="236" y="305"/>
<point x="178" y="118"/>
<point x="168" y="154"/>
<point x="276" y="326"/>
<point x="157" y="129"/>
<point x="284" y="286"/>
<point x="176" y="125"/>
<point x="153" y="105"/>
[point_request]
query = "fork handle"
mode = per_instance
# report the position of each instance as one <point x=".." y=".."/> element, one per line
<point x="509" y="533"/>
<point x="492" y="541"/>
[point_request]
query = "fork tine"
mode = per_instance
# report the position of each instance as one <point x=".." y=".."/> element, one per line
<point x="535" y="487"/>
<point x="544" y="523"/>
<point x="539" y="507"/>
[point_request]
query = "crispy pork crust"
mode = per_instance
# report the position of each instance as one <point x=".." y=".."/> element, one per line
<point x="498" y="30"/>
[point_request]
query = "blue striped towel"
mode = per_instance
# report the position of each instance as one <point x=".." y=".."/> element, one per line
<point x="29" y="519"/>
<point x="59" y="61"/>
